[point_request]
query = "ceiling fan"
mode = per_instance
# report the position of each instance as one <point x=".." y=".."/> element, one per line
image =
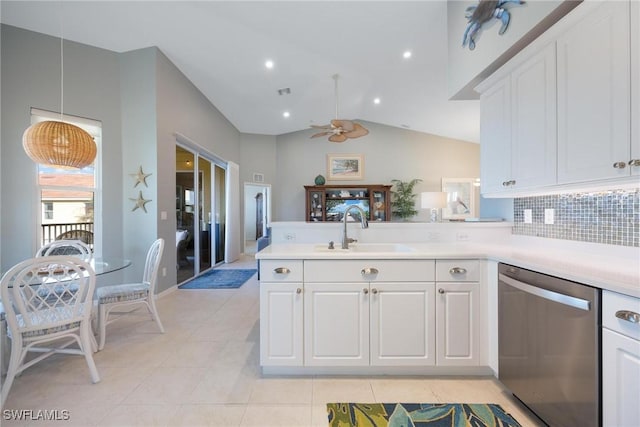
<point x="340" y="130"/>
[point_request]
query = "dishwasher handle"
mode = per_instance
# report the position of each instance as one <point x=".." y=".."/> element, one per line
<point x="578" y="303"/>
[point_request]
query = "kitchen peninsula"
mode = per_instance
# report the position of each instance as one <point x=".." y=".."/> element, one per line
<point x="407" y="298"/>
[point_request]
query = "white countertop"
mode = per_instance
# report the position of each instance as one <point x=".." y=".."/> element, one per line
<point x="607" y="267"/>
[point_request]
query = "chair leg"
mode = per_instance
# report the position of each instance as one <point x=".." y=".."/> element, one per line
<point x="154" y="312"/>
<point x="103" y="313"/>
<point x="17" y="355"/>
<point x="87" y="349"/>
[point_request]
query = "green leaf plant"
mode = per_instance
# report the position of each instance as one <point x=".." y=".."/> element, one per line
<point x="403" y="198"/>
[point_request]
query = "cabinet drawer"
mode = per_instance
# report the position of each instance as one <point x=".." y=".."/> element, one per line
<point x="379" y="270"/>
<point x="275" y="270"/>
<point x="625" y="306"/>
<point x="457" y="270"/>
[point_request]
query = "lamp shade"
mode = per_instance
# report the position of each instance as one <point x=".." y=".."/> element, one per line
<point x="433" y="200"/>
<point x="61" y="144"/>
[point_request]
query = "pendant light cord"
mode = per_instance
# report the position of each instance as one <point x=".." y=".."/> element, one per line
<point x="335" y="90"/>
<point x="61" y="63"/>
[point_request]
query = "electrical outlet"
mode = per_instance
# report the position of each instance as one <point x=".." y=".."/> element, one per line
<point x="163" y="215"/>
<point x="549" y="216"/>
<point x="290" y="236"/>
<point x="462" y="236"/>
<point x="164" y="271"/>
<point x="528" y="216"/>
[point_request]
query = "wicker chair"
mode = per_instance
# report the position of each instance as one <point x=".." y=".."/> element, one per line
<point x="110" y="297"/>
<point x="66" y="247"/>
<point x="48" y="303"/>
<point x="83" y="235"/>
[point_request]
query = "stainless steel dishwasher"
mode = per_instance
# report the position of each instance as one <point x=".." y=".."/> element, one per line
<point x="549" y="345"/>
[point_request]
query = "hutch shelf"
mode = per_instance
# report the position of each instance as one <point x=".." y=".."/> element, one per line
<point x="329" y="202"/>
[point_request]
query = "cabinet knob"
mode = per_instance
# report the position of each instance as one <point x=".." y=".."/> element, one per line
<point x="634" y="162"/>
<point x="509" y="183"/>
<point x="299" y="291"/>
<point x="441" y="291"/>
<point x="629" y="316"/>
<point x="458" y="270"/>
<point x="374" y="291"/>
<point x="281" y="270"/>
<point x="365" y="291"/>
<point x="369" y="270"/>
<point x="619" y="165"/>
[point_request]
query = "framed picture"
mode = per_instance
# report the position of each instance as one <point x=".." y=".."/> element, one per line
<point x="345" y="166"/>
<point x="460" y="198"/>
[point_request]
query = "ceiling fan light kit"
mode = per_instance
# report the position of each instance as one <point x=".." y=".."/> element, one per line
<point x="340" y="130"/>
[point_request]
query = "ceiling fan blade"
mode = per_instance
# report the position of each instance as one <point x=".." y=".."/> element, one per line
<point x="317" y="135"/>
<point x="357" y="132"/>
<point x="338" y="138"/>
<point x="345" y="125"/>
<point x="321" y="127"/>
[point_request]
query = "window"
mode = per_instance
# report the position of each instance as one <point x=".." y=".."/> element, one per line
<point x="68" y="196"/>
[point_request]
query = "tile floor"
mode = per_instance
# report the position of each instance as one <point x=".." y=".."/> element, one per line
<point x="204" y="371"/>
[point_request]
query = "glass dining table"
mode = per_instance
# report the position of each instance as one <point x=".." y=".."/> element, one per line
<point x="104" y="265"/>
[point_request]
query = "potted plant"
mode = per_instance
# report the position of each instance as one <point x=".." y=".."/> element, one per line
<point x="402" y="201"/>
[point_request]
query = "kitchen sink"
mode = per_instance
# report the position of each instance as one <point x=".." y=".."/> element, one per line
<point x="366" y="247"/>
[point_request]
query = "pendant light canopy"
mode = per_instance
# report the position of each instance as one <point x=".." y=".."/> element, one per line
<point x="60" y="144"/>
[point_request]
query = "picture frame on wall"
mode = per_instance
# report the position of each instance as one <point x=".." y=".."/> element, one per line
<point x="345" y="167"/>
<point x="460" y="198"/>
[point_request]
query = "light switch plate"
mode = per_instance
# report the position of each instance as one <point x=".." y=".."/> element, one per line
<point x="528" y="216"/>
<point x="549" y="216"/>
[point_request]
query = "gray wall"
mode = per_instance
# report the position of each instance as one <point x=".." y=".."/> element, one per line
<point x="31" y="78"/>
<point x="389" y="153"/>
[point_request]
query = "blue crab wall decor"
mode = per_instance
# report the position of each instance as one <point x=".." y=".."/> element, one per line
<point x="483" y="13"/>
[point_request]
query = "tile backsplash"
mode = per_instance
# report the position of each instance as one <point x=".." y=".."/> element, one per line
<point x="609" y="217"/>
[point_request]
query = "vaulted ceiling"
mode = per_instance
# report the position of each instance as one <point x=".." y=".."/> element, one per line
<point x="222" y="47"/>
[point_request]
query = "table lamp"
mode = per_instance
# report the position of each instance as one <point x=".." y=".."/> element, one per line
<point x="433" y="200"/>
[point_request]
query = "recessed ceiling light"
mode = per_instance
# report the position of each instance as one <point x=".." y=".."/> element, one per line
<point x="376" y="101"/>
<point x="286" y="114"/>
<point x="406" y="54"/>
<point x="269" y="64"/>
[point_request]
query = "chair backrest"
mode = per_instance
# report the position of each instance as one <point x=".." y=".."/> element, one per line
<point x="154" y="255"/>
<point x="46" y="292"/>
<point x="75" y="248"/>
<point x="85" y="235"/>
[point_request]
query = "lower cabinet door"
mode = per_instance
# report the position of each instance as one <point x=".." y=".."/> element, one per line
<point x="281" y="318"/>
<point x="336" y="324"/>
<point x="402" y="324"/>
<point x="620" y="380"/>
<point x="457" y="317"/>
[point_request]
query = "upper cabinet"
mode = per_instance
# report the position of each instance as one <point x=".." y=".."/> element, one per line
<point x="568" y="111"/>
<point x="634" y="163"/>
<point x="593" y="96"/>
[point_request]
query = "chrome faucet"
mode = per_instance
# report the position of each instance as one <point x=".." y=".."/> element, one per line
<point x="363" y="222"/>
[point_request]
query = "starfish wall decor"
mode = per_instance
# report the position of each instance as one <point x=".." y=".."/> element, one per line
<point x="140" y="202"/>
<point x="140" y="177"/>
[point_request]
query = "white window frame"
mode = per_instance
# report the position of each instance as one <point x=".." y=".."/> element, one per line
<point x="94" y="128"/>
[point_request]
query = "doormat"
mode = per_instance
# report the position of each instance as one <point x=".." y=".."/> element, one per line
<point x="219" y="279"/>
<point x="418" y="414"/>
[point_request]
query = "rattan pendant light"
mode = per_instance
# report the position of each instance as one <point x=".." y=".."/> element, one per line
<point x="57" y="143"/>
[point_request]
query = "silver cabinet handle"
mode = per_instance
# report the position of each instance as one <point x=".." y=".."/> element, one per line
<point x="374" y="291"/>
<point x="369" y="270"/>
<point x="634" y="162"/>
<point x="281" y="270"/>
<point x="629" y="316"/>
<point x="458" y="270"/>
<point x="509" y="183"/>
<point x="441" y="291"/>
<point x="619" y="165"/>
<point x="299" y="291"/>
<point x="365" y="291"/>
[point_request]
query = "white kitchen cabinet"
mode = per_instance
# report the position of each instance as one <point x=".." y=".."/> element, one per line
<point x="402" y="318"/>
<point x="457" y="312"/>
<point x="281" y="317"/>
<point x="495" y="136"/>
<point x="518" y="127"/>
<point x="369" y="313"/>
<point x="620" y="360"/>
<point x="281" y="313"/>
<point x="634" y="162"/>
<point x="336" y="324"/>
<point x="593" y="96"/>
